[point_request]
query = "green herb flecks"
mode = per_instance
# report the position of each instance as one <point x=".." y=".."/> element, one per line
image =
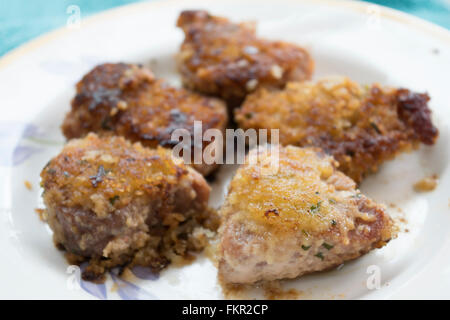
<point x="113" y="199"/>
<point x="315" y="207"/>
<point x="327" y="246"/>
<point x="319" y="255"/>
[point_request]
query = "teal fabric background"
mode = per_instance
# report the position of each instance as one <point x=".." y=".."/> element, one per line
<point x="22" y="20"/>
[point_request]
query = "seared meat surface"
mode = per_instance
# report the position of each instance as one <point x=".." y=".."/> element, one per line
<point x="113" y="203"/>
<point x="228" y="60"/>
<point x="360" y="126"/>
<point x="125" y="99"/>
<point x="306" y="216"/>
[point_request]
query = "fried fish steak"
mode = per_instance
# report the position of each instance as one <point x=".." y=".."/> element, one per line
<point x="304" y="217"/>
<point x="360" y="126"/>
<point x="114" y="203"/>
<point x="126" y="99"/>
<point x="228" y="60"/>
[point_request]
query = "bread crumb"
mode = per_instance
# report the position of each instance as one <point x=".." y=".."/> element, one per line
<point x="42" y="214"/>
<point x="251" y="84"/>
<point x="251" y="50"/>
<point x="426" y="184"/>
<point x="242" y="63"/>
<point x="114" y="287"/>
<point x="276" y="71"/>
<point x="28" y="185"/>
<point x="122" y="105"/>
<point x="128" y="275"/>
<point x="113" y="112"/>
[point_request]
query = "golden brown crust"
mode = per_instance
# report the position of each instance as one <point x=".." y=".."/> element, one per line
<point x="306" y="193"/>
<point x="303" y="217"/>
<point x="125" y="99"/>
<point x="114" y="203"/>
<point x="360" y="126"/>
<point x="228" y="60"/>
<point x="110" y="167"/>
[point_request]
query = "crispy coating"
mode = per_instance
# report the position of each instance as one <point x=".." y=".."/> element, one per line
<point x="303" y="217"/>
<point x="113" y="203"/>
<point x="125" y="99"/>
<point x="360" y="126"/>
<point x="228" y="60"/>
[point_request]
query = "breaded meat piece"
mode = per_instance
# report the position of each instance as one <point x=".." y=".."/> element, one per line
<point x="228" y="60"/>
<point x="305" y="217"/>
<point x="114" y="203"/>
<point x="126" y="99"/>
<point x="360" y="126"/>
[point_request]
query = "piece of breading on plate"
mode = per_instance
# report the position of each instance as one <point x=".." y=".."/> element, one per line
<point x="360" y="126"/>
<point x="303" y="217"/>
<point x="228" y="60"/>
<point x="113" y="203"/>
<point x="127" y="100"/>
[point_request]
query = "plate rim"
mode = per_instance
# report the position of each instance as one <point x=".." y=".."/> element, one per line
<point x="386" y="12"/>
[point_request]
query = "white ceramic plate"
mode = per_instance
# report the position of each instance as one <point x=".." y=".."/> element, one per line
<point x="365" y="42"/>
